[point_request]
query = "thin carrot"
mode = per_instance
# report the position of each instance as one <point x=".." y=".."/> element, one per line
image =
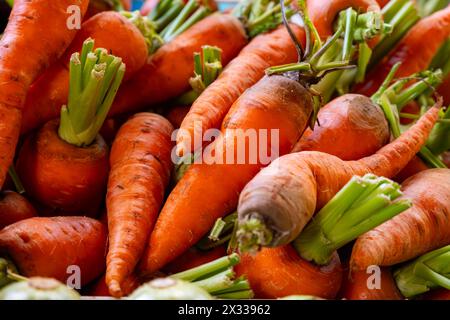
<point x="422" y="228"/>
<point x="29" y="21"/>
<point x="208" y="111"/>
<point x="279" y="272"/>
<point x="47" y="247"/>
<point x="276" y="205"/>
<point x="14" y="207"/>
<point x="140" y="171"/>
<point x="376" y="284"/>
<point x="100" y="289"/>
<point x="48" y="93"/>
<point x="411" y="52"/>
<point x="65" y="164"/>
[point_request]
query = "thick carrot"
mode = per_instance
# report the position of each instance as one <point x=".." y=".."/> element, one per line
<point x="140" y="171"/>
<point x="50" y="92"/>
<point x="282" y="198"/>
<point x="37" y="32"/>
<point x="411" y="52"/>
<point x="46" y="247"/>
<point x="275" y="102"/>
<point x="368" y="285"/>
<point x="166" y="74"/>
<point x="194" y="258"/>
<point x="176" y="114"/>
<point x="14" y="207"/>
<point x="323" y="13"/>
<point x="208" y="111"/>
<point x="424" y="227"/>
<point x="279" y="272"/>
<point x="350" y="120"/>
<point x="65" y="164"/>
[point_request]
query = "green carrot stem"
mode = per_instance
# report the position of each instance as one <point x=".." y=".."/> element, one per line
<point x="188" y="9"/>
<point x="198" y="15"/>
<point x="16" y="180"/>
<point x="427" y="7"/>
<point x="300" y="66"/>
<point x="350" y="22"/>
<point x="401" y="22"/>
<point x="217" y="229"/>
<point x="440" y="60"/>
<point x="252" y="233"/>
<point x="427" y="272"/>
<point x="160" y="9"/>
<point x="364" y="203"/>
<point x="430" y="158"/>
<point x="314" y="34"/>
<point x="218" y="282"/>
<point x="364" y="55"/>
<point x="219" y="234"/>
<point x="238" y="285"/>
<point x="439" y="140"/>
<point x="392" y="8"/>
<point x="384" y="86"/>
<point x="169" y="16"/>
<point x="147" y="28"/>
<point x="94" y="81"/>
<point x="209" y="269"/>
<point x="244" y="294"/>
<point x="330" y="43"/>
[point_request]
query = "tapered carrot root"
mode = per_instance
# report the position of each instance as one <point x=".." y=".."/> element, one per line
<point x="29" y="21"/>
<point x="100" y="289"/>
<point x="350" y="120"/>
<point x="50" y="91"/>
<point x="284" y="196"/>
<point x="47" y="247"/>
<point x="422" y="228"/>
<point x="62" y="176"/>
<point x="14" y="207"/>
<point x="324" y="12"/>
<point x="370" y="285"/>
<point x="140" y="171"/>
<point x="411" y="51"/>
<point x="166" y="74"/>
<point x="208" y="111"/>
<point x="279" y="272"/>
<point x="275" y="102"/>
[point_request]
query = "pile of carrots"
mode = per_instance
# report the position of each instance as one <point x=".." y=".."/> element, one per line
<point x="292" y="149"/>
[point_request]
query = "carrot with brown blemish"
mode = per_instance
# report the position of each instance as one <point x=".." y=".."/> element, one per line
<point x="29" y="20"/>
<point x="140" y="171"/>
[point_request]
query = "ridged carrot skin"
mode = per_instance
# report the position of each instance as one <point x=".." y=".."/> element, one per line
<point x="296" y="185"/>
<point x="323" y="13"/>
<point x="46" y="247"/>
<point x="69" y="179"/>
<point x="166" y="74"/>
<point x="411" y="51"/>
<point x="210" y="190"/>
<point x="420" y="229"/>
<point x="361" y="285"/>
<point x="13" y="208"/>
<point x="140" y="171"/>
<point x="279" y="272"/>
<point x="350" y="120"/>
<point x="50" y="91"/>
<point x="36" y="35"/>
<point x="208" y="111"/>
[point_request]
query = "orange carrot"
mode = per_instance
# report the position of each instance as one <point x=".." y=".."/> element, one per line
<point x="350" y="120"/>
<point x="413" y="167"/>
<point x="283" y="197"/>
<point x="166" y="74"/>
<point x="100" y="289"/>
<point x="411" y="52"/>
<point x="279" y="272"/>
<point x="97" y="6"/>
<point x="37" y="33"/>
<point x="140" y="171"/>
<point x="49" y="93"/>
<point x="275" y="102"/>
<point x="46" y="247"/>
<point x="359" y="286"/>
<point x="323" y="13"/>
<point x="65" y="164"/>
<point x="208" y="111"/>
<point x="176" y="115"/>
<point x="14" y="207"/>
<point x="422" y="228"/>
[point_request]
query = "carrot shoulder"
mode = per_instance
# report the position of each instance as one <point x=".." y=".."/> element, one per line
<point x="140" y="171"/>
<point x="208" y="111"/>
<point x="422" y="228"/>
<point x="36" y="35"/>
<point x="166" y="74"/>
